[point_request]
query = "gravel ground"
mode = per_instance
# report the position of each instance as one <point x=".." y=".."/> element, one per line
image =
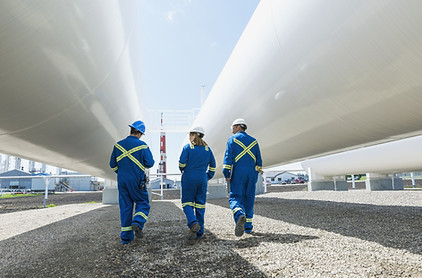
<point x="297" y="234"/>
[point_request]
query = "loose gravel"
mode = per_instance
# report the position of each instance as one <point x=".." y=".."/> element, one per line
<point x="296" y="234"/>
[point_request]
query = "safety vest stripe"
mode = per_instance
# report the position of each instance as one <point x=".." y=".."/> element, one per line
<point x="129" y="154"/>
<point x="212" y="169"/>
<point x="140" y="213"/>
<point x="249" y="220"/>
<point x="126" y="229"/>
<point x="120" y="157"/>
<point x="227" y="166"/>
<point x="137" y="162"/>
<point x="114" y="169"/>
<point x="182" y="165"/>
<point x="245" y="150"/>
<point x="126" y="153"/>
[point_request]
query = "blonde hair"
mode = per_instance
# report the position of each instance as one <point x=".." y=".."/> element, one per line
<point x="197" y="141"/>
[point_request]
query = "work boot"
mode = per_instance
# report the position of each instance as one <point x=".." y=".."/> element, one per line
<point x="240" y="226"/>
<point x="193" y="230"/>
<point x="138" y="231"/>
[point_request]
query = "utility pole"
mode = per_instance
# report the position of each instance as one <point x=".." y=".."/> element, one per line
<point x="163" y="155"/>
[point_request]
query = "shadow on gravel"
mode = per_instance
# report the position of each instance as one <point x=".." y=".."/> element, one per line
<point x="255" y="239"/>
<point x="390" y="226"/>
<point x="88" y="245"/>
<point x="164" y="252"/>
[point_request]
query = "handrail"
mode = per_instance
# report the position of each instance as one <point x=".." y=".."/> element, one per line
<point x="161" y="175"/>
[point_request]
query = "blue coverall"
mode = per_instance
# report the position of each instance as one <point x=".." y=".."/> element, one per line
<point x="241" y="162"/>
<point x="193" y="163"/>
<point x="129" y="159"/>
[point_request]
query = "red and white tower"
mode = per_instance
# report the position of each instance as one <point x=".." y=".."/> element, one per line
<point x="163" y="156"/>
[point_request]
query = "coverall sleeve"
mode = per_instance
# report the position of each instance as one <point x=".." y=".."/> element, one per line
<point x="228" y="159"/>
<point x="211" y="166"/>
<point x="183" y="160"/>
<point x="258" y="157"/>
<point x="148" y="159"/>
<point x="113" y="162"/>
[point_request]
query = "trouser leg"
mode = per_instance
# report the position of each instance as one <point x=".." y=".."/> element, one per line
<point x="188" y="200"/>
<point x="126" y="210"/>
<point x="188" y="209"/>
<point x="236" y="196"/>
<point x="142" y="208"/>
<point x="249" y="201"/>
<point x="200" y="201"/>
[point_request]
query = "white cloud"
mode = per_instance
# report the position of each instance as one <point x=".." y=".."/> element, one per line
<point x="170" y="14"/>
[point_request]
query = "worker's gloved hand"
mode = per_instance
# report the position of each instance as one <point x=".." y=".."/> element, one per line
<point x="143" y="183"/>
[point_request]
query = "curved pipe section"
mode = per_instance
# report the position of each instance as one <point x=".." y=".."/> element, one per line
<point x="388" y="158"/>
<point x="313" y="79"/>
<point x="68" y="80"/>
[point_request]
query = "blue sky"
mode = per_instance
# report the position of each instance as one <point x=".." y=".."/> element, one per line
<point x="185" y="44"/>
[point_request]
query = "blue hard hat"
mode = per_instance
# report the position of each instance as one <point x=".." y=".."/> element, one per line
<point x="139" y="125"/>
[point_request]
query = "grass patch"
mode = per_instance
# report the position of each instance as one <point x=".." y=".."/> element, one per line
<point x="50" y="206"/>
<point x="8" y="195"/>
<point x="92" y="202"/>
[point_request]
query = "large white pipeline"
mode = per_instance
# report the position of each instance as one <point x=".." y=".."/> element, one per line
<point x="389" y="158"/>
<point x="67" y="77"/>
<point x="316" y="77"/>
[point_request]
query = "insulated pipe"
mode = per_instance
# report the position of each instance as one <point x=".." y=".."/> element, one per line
<point x="312" y="78"/>
<point x="393" y="157"/>
<point x="69" y="75"/>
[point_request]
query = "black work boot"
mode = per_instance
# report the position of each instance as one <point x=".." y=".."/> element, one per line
<point x="240" y="226"/>
<point x="138" y="231"/>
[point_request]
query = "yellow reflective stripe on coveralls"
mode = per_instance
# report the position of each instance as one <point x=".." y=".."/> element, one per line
<point x="236" y="209"/>
<point x="193" y="204"/>
<point x="229" y="167"/>
<point x="245" y="150"/>
<point x="212" y="169"/>
<point x="125" y="229"/>
<point x="182" y="165"/>
<point x="188" y="204"/>
<point x="140" y="213"/>
<point x="249" y="220"/>
<point x="200" y="206"/>
<point x="129" y="154"/>
<point x="114" y="169"/>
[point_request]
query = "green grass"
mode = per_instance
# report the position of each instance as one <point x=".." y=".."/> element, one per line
<point x="92" y="202"/>
<point x="48" y="206"/>
<point x="410" y="186"/>
<point x="8" y="195"/>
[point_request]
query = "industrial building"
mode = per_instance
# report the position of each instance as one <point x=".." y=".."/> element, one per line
<point x="37" y="182"/>
<point x="283" y="177"/>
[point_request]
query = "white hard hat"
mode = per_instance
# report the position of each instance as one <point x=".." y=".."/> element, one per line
<point x="198" y="129"/>
<point x="239" y="122"/>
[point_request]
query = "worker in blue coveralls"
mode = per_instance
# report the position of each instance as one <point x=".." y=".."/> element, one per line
<point x="197" y="164"/>
<point x="129" y="159"/>
<point x="242" y="162"/>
